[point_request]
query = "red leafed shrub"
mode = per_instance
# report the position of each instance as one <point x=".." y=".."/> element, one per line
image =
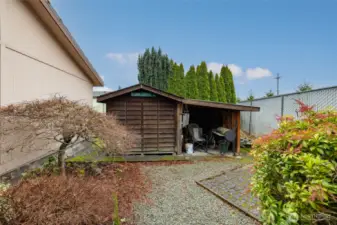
<point x="296" y="169"/>
<point x="303" y="108"/>
<point x="76" y="200"/>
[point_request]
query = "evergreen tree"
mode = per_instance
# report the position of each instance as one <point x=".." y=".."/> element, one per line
<point x="224" y="73"/>
<point x="166" y="69"/>
<point x="173" y="80"/>
<point x="154" y="68"/>
<point x="203" y="83"/>
<point x="191" y="84"/>
<point x="220" y="84"/>
<point x="231" y="86"/>
<point x="181" y="81"/>
<point x="176" y="84"/>
<point x="213" y="89"/>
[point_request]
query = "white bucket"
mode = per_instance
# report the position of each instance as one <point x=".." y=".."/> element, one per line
<point x="189" y="148"/>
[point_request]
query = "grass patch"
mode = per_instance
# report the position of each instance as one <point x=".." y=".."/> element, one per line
<point x="155" y="158"/>
<point x="247" y="160"/>
<point x="112" y="159"/>
<point x="245" y="150"/>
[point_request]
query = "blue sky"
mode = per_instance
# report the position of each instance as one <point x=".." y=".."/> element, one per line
<point x="256" y="38"/>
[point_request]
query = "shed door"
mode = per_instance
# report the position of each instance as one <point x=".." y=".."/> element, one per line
<point x="158" y="127"/>
<point x="152" y="119"/>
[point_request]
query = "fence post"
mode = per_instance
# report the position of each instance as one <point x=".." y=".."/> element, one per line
<point x="250" y="119"/>
<point x="282" y="105"/>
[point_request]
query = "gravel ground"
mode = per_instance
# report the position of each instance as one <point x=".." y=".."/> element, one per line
<point x="177" y="200"/>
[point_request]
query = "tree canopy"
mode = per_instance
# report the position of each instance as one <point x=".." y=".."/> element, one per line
<point x="154" y="68"/>
<point x="229" y="84"/>
<point x="203" y="82"/>
<point x="304" y="87"/>
<point x="176" y="82"/>
<point x="270" y="93"/>
<point x="157" y="70"/>
<point x="191" y="84"/>
<point x="213" y="88"/>
<point x="220" y="84"/>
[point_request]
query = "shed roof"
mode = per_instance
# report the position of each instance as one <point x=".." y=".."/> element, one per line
<point x="44" y="10"/>
<point x="194" y="102"/>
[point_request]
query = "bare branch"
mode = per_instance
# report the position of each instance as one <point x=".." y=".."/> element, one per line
<point x="35" y="125"/>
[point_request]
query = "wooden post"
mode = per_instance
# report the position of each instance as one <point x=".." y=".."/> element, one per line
<point x="238" y="121"/>
<point x="179" y="128"/>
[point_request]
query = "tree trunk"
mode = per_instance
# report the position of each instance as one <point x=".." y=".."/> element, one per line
<point x="61" y="159"/>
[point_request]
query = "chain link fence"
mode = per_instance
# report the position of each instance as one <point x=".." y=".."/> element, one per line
<point x="263" y="122"/>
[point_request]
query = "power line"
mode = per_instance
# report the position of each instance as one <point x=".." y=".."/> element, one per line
<point x="278" y="77"/>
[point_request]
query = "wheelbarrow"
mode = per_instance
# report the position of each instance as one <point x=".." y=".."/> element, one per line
<point x="225" y="139"/>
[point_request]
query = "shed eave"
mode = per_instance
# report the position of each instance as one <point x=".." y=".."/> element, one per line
<point x="110" y="95"/>
<point x="219" y="105"/>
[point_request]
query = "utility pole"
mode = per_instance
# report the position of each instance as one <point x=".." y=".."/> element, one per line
<point x="278" y="83"/>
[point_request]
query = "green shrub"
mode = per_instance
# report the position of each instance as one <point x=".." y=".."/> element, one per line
<point x="296" y="169"/>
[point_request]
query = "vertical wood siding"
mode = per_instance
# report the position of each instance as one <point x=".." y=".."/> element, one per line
<point x="152" y="119"/>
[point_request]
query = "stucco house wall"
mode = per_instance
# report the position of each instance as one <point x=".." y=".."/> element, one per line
<point x="38" y="59"/>
<point x="33" y="62"/>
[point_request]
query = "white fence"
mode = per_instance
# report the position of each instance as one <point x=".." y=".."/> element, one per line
<point x="259" y="123"/>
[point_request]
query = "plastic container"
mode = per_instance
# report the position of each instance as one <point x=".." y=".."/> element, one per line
<point x="189" y="148"/>
<point x="224" y="147"/>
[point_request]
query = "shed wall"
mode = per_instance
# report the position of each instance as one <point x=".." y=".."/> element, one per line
<point x="153" y="119"/>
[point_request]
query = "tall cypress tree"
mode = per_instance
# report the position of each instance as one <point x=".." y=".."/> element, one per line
<point x="173" y="80"/>
<point x="154" y="68"/>
<point x="229" y="84"/>
<point x="191" y="84"/>
<point x="221" y="89"/>
<point x="203" y="83"/>
<point x="166" y="70"/>
<point x="181" y="81"/>
<point x="232" y="87"/>
<point x="223" y="75"/>
<point x="213" y="89"/>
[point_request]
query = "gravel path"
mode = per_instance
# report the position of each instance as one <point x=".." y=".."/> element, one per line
<point x="232" y="186"/>
<point x="177" y="200"/>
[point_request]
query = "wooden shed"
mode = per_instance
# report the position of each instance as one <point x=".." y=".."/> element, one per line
<point x="156" y="116"/>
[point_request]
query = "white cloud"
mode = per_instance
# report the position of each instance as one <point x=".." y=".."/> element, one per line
<point x="236" y="70"/>
<point x="216" y="68"/>
<point x="123" y="58"/>
<point x="257" y="73"/>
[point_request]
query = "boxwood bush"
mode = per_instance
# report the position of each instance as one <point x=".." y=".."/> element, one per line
<point x="296" y="169"/>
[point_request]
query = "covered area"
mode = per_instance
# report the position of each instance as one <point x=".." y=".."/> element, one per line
<point x="164" y="123"/>
<point x="210" y="117"/>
